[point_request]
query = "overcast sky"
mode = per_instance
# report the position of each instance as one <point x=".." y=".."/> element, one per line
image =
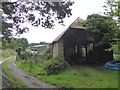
<point x="81" y="8"/>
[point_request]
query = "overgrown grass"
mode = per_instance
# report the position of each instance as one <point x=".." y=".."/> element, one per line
<point x="31" y="67"/>
<point x="75" y="77"/>
<point x="16" y="83"/>
<point x="84" y="77"/>
<point x="6" y="53"/>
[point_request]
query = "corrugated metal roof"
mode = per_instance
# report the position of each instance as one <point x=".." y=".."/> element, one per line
<point x="38" y="46"/>
<point x="75" y="24"/>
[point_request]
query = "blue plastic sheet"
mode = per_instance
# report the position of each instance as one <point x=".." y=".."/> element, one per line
<point x="114" y="65"/>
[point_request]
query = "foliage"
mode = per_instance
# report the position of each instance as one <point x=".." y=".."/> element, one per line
<point x="54" y="66"/>
<point x="19" y="43"/>
<point x="117" y="56"/>
<point x="31" y="66"/>
<point x="15" y="43"/>
<point x="5" y="44"/>
<point x="112" y="8"/>
<point x="97" y="23"/>
<point x="21" y="12"/>
<point x="6" y="53"/>
<point x="6" y="32"/>
<point x="47" y="53"/>
<point x="103" y="25"/>
<point x="44" y="67"/>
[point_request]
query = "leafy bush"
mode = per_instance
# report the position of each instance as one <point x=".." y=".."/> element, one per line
<point x="116" y="56"/>
<point x="6" y="53"/>
<point x="47" y="53"/>
<point x="25" y="55"/>
<point x="54" y="66"/>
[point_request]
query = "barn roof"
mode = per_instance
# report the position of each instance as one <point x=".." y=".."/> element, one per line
<point x="75" y="24"/>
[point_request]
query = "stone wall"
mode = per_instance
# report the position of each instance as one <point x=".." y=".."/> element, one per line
<point x="58" y="49"/>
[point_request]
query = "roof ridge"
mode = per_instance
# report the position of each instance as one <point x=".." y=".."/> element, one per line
<point x="70" y="26"/>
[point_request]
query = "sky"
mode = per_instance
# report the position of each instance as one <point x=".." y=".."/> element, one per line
<point x="81" y="8"/>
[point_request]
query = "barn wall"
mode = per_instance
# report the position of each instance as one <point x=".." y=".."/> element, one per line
<point x="55" y="49"/>
<point x="66" y="47"/>
<point x="71" y="39"/>
<point x="58" y="49"/>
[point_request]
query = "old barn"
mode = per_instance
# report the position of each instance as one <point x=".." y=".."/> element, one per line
<point x="76" y="45"/>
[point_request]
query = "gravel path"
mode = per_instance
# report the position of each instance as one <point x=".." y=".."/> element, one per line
<point x="28" y="80"/>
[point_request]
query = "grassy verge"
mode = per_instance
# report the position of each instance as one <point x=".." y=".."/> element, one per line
<point x="6" y="53"/>
<point x="75" y="77"/>
<point x="31" y="67"/>
<point x="16" y="83"/>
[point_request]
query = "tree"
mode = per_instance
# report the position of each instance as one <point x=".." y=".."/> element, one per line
<point x="21" y="12"/>
<point x="103" y="25"/>
<point x="19" y="43"/>
<point x="112" y="8"/>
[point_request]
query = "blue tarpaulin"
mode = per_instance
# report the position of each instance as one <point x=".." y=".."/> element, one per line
<point x="114" y="64"/>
